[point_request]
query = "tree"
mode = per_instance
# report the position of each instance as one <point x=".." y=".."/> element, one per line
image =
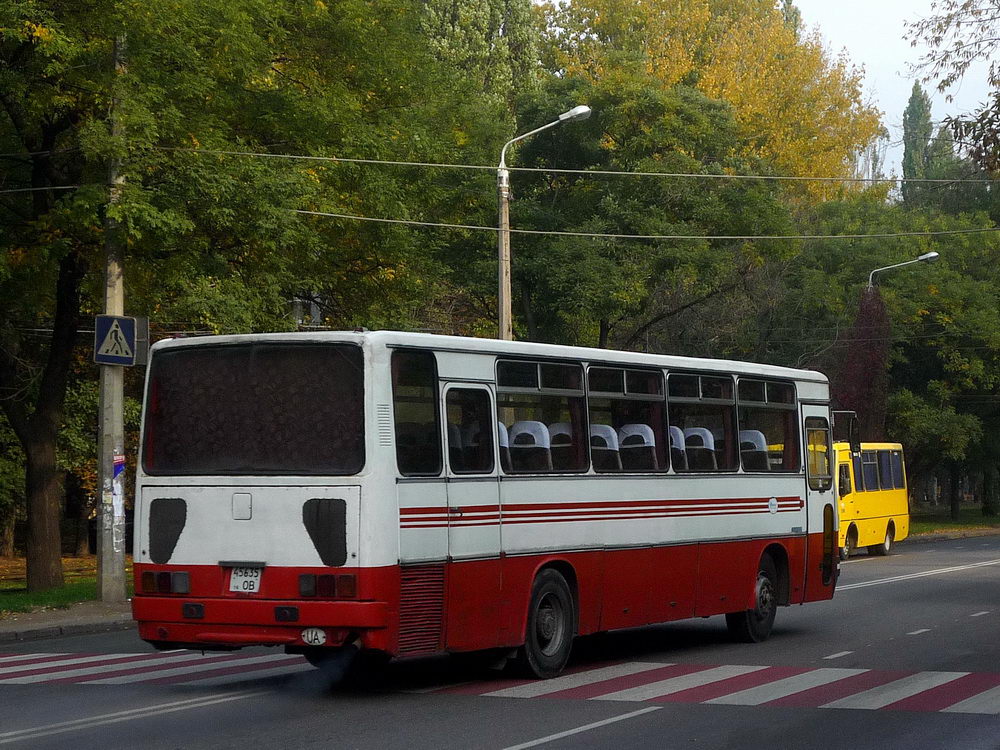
<point x="212" y="239"/>
<point x="797" y="108"/>
<point x="917" y="131"/>
<point x="960" y="33"/>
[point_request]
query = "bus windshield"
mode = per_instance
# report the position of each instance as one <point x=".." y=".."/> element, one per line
<point x="259" y="408"/>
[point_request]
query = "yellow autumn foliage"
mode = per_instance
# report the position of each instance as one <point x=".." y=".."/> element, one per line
<point x="799" y="108"/>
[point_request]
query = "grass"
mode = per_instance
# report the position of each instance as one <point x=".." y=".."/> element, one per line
<point x="79" y="575"/>
<point x="19" y="600"/>
<point x="939" y="520"/>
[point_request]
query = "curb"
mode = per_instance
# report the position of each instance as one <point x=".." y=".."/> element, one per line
<point x="55" y="631"/>
<point x="941" y="536"/>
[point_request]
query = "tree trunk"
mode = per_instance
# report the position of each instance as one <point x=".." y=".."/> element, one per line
<point x="991" y="491"/>
<point x="7" y="535"/>
<point x="602" y="341"/>
<point x="956" y="492"/>
<point x="44" y="493"/>
<point x="82" y="528"/>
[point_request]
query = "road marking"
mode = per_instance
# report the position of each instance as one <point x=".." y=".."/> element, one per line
<point x="980" y="614"/>
<point x="783" y="688"/>
<point x="918" y="632"/>
<point x="120" y="716"/>
<point x="566" y="682"/>
<point x="676" y="684"/>
<point x="838" y="654"/>
<point x="984" y="703"/>
<point x="936" y="572"/>
<point x="584" y="728"/>
<point x="162" y="672"/>
<point x="897" y="690"/>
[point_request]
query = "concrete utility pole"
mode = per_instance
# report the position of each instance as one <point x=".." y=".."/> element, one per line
<point x="111" y="511"/>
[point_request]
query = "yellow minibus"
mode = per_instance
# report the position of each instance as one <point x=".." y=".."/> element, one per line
<point x="871" y="485"/>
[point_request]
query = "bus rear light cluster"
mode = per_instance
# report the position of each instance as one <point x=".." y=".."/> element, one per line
<point x="344" y="586"/>
<point x="165" y="583"/>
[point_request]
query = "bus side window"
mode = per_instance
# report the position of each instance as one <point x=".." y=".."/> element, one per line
<point x="470" y="433"/>
<point x="884" y="470"/>
<point x="898" y="477"/>
<point x="415" y="411"/>
<point x="818" y="466"/>
<point x="869" y="469"/>
<point x="858" y="474"/>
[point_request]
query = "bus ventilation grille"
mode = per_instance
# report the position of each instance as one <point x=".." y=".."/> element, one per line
<point x="421" y="609"/>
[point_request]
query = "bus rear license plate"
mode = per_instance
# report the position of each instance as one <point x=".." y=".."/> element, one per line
<point x="245" y="580"/>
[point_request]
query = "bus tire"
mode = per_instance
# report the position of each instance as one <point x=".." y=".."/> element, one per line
<point x="850" y="543"/>
<point x="886" y="546"/>
<point x="754" y="625"/>
<point x="551" y="625"/>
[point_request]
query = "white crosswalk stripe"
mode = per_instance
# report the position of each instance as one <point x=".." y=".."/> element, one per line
<point x="783" y="688"/>
<point x="906" y="687"/>
<point x="987" y="702"/>
<point x="677" y="684"/>
<point x="195" y="668"/>
<point x="544" y="687"/>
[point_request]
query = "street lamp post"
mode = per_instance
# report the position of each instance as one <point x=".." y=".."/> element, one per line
<point x="925" y="258"/>
<point x="581" y="112"/>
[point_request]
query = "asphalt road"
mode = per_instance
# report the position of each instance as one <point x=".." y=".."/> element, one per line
<point x="907" y="655"/>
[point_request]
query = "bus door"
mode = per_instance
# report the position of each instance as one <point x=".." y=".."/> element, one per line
<point x="473" y="618"/>
<point x="821" y="516"/>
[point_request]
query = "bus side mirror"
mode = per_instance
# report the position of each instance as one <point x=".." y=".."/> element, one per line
<point x="844" y="481"/>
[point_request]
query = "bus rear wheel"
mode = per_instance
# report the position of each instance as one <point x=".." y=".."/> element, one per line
<point x="886" y="546"/>
<point x="551" y="626"/>
<point x="754" y="625"/>
<point x="850" y="543"/>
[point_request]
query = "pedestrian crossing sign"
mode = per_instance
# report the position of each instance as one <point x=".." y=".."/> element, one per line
<point x="114" y="340"/>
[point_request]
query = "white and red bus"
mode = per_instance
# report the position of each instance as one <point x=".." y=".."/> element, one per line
<point x="413" y="494"/>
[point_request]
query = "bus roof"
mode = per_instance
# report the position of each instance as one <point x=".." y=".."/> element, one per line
<point x="501" y="348"/>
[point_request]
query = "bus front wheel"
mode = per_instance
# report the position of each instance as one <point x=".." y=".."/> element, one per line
<point x="754" y="625"/>
<point x="550" y="628"/>
<point x="886" y="546"/>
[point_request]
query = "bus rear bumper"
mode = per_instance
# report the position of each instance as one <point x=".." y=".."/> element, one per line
<point x="227" y="623"/>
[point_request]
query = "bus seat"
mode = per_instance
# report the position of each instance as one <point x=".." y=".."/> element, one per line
<point x="604" y="448"/>
<point x="504" y="445"/>
<point x="677" y="453"/>
<point x="753" y="450"/>
<point x="530" y="446"/>
<point x="637" y="445"/>
<point x="562" y="448"/>
<point x="699" y="442"/>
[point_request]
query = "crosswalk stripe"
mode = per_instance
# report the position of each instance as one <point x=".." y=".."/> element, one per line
<point x="755" y="696"/>
<point x="60" y="672"/>
<point x="230" y="661"/>
<point x="566" y="682"/>
<point x="984" y="703"/>
<point x="289" y="669"/>
<point x="906" y="687"/>
<point x="676" y="684"/>
<point x="33" y="658"/>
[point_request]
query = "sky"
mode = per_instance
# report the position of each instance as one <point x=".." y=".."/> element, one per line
<point x="872" y="34"/>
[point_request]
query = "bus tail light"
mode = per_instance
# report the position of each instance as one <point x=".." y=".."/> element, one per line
<point x="344" y="586"/>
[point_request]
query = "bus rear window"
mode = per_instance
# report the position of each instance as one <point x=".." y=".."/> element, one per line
<point x="261" y="408"/>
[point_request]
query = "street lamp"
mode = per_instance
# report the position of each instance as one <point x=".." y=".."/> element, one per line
<point x="925" y="258"/>
<point x="580" y="112"/>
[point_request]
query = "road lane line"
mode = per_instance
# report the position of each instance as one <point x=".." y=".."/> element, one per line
<point x="918" y="632"/>
<point x="897" y="690"/>
<point x="936" y="572"/>
<point x="676" y="684"/>
<point x="980" y="614"/>
<point x="783" y="688"/>
<point x="838" y="654"/>
<point x="120" y="716"/>
<point x="584" y="728"/>
<point x="566" y="682"/>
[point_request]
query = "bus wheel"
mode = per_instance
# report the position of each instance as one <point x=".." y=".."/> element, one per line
<point x="754" y="625"/>
<point x="886" y="546"/>
<point x="551" y="626"/>
<point x="850" y="543"/>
